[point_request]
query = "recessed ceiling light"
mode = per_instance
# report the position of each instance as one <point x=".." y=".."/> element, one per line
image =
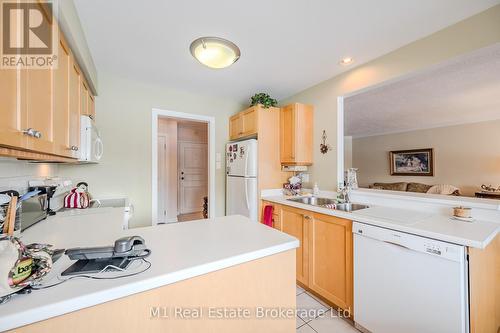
<point x="346" y="61"/>
<point x="215" y="52"/>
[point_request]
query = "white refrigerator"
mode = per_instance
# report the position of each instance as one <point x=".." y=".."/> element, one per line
<point x="241" y="179"/>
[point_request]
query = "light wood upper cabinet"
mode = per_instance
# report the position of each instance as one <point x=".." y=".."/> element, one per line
<point x="84" y="97"/>
<point x="40" y="109"/>
<point x="37" y="98"/>
<point x="11" y="134"/>
<point x="245" y="123"/>
<point x="91" y="106"/>
<point x="250" y="121"/>
<point x="87" y="106"/>
<point x="235" y="126"/>
<point x="74" y="109"/>
<point x="295" y="222"/>
<point x="61" y="102"/>
<point x="296" y="134"/>
<point x="330" y="259"/>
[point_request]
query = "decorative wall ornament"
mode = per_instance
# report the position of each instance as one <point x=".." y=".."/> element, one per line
<point x="324" y="147"/>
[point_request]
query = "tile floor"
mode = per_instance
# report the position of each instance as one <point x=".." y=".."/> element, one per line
<point x="316" y="317"/>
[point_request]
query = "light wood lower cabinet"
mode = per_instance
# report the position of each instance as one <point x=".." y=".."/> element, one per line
<point x="295" y="222"/>
<point x="324" y="262"/>
<point x="330" y="259"/>
<point x="484" y="288"/>
<point x="277" y="211"/>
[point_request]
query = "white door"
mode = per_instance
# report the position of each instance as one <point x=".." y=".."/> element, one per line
<point x="162" y="198"/>
<point x="242" y="197"/>
<point x="193" y="176"/>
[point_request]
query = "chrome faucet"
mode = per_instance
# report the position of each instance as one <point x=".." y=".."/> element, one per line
<point x="345" y="193"/>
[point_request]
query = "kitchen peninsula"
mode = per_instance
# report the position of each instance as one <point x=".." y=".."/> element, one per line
<point x="227" y="265"/>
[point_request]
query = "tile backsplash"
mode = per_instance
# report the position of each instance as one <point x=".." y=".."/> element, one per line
<point x="14" y="174"/>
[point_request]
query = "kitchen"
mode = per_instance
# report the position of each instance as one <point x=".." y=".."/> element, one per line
<point x="224" y="251"/>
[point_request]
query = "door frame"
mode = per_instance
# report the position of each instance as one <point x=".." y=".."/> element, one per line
<point x="210" y="121"/>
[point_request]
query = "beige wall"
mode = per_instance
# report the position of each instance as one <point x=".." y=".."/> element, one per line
<point x="473" y="33"/>
<point x="465" y="156"/>
<point x="123" y="110"/>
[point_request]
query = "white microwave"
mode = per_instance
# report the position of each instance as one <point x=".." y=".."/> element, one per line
<point x="91" y="147"/>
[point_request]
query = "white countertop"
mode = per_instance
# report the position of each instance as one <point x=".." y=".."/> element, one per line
<point x="424" y="223"/>
<point x="179" y="251"/>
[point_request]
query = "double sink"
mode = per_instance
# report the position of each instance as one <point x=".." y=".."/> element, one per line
<point x="329" y="203"/>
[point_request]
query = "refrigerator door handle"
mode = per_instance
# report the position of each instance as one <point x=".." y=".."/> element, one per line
<point x="246" y="165"/>
<point x="246" y="194"/>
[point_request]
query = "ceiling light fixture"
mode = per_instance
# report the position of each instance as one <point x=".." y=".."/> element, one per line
<point x="346" y="61"/>
<point x="215" y="52"/>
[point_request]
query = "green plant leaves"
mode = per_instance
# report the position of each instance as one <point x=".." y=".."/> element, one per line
<point x="264" y="99"/>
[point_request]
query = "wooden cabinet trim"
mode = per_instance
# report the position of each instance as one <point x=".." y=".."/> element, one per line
<point x="33" y="156"/>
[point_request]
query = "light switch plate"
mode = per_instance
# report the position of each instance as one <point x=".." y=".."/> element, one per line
<point x="218" y="158"/>
<point x="218" y="165"/>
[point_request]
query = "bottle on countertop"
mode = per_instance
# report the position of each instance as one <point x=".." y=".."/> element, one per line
<point x="315" y="189"/>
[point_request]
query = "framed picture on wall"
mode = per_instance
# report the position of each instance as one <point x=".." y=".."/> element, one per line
<point x="415" y="162"/>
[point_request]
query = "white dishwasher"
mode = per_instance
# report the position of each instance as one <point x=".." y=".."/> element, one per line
<point x="407" y="283"/>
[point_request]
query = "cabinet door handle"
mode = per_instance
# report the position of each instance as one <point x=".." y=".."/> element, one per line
<point x="307" y="217"/>
<point x="29" y="132"/>
<point x="37" y="134"/>
<point x="74" y="148"/>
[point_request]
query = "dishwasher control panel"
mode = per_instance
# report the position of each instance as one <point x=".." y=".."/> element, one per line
<point x="412" y="242"/>
<point x="433" y="248"/>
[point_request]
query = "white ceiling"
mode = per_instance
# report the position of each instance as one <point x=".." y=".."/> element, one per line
<point x="463" y="90"/>
<point x="286" y="45"/>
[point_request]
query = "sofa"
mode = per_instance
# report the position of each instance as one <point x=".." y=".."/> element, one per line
<point x="414" y="187"/>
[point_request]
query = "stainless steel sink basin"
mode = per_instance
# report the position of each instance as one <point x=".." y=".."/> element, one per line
<point x="320" y="202"/>
<point x="315" y="201"/>
<point x="349" y="207"/>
